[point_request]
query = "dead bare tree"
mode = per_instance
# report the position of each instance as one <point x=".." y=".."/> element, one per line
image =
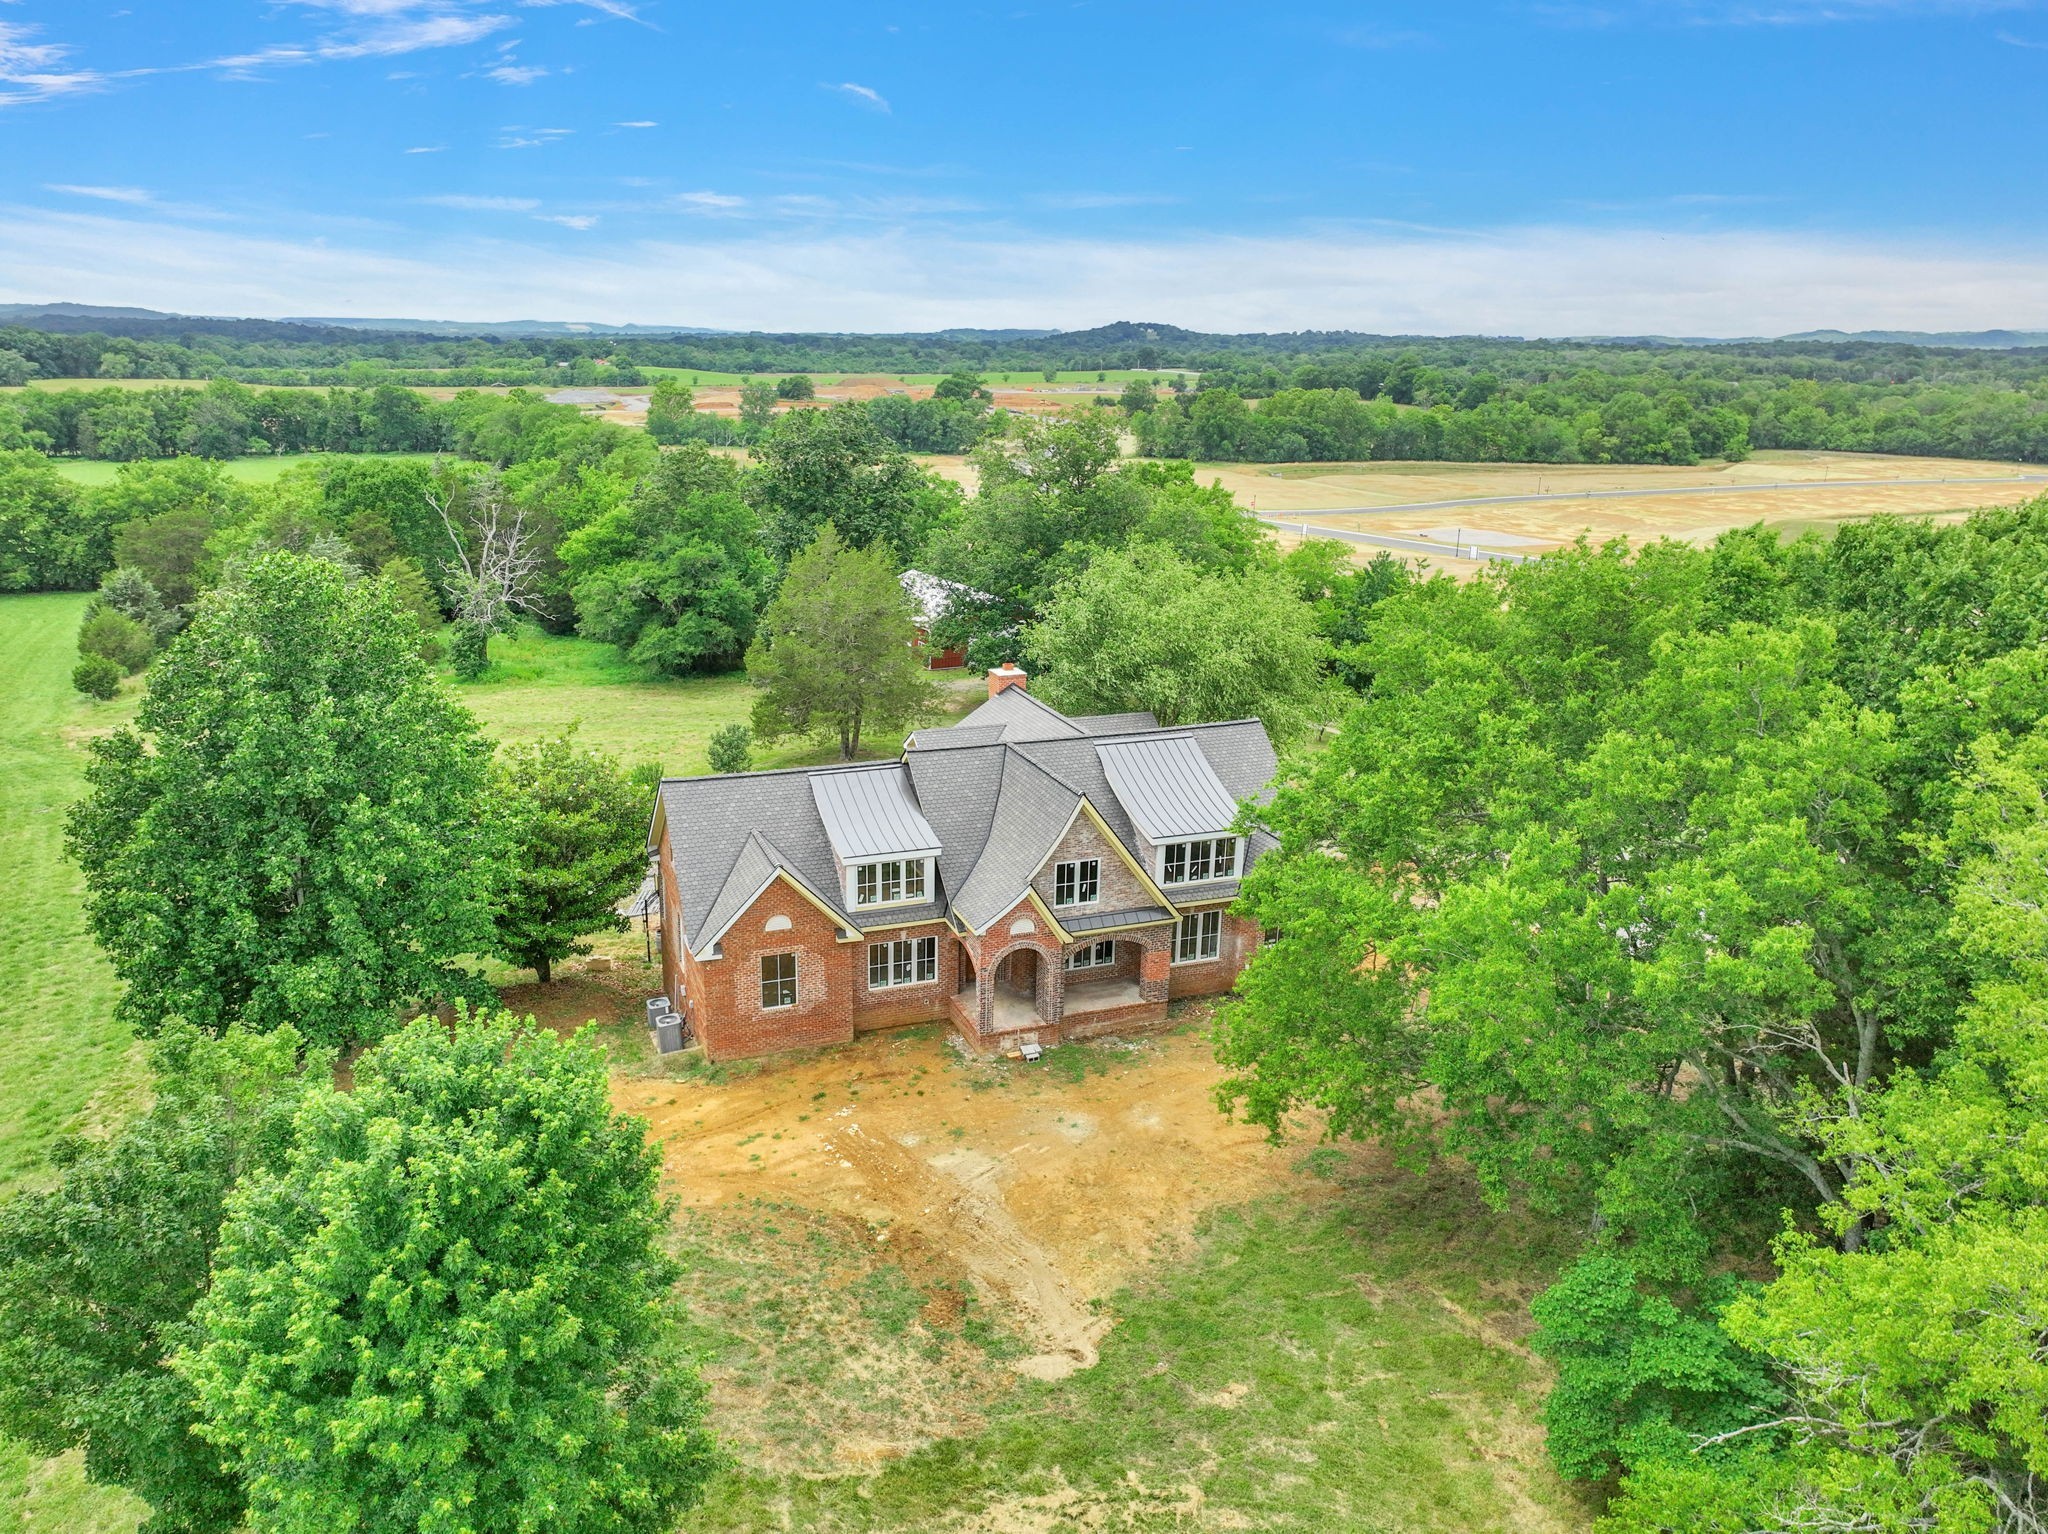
<point x="496" y="569"/>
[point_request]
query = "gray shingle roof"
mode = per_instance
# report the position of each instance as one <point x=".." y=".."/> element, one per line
<point x="994" y="805"/>
<point x="1167" y="786"/>
<point x="871" y="812"/>
<point x="1032" y="812"/>
<point x="1116" y="724"/>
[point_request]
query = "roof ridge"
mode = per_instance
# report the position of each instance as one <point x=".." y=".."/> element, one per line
<point x="787" y="772"/>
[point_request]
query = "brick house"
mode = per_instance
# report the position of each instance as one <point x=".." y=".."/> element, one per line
<point x="1027" y="877"/>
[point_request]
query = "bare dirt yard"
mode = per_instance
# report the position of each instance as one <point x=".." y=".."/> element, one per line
<point x="986" y="1297"/>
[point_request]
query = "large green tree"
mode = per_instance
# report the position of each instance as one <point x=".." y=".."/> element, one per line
<point x="835" y="656"/>
<point x="1141" y="628"/>
<point x="293" y="831"/>
<point x="446" y="1313"/>
<point x="53" y="536"/>
<point x="575" y="845"/>
<point x="1625" y="889"/>
<point x="677" y="576"/>
<point x="1920" y="1395"/>
<point x="99" y="1272"/>
<point x="820" y="466"/>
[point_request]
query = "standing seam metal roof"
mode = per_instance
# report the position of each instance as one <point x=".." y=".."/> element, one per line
<point x="872" y="812"/>
<point x="1168" y="787"/>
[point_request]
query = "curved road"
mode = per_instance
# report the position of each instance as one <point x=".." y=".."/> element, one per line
<point x="1464" y="551"/>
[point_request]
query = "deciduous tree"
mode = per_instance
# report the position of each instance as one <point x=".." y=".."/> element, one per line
<point x="99" y="1272"/>
<point x="293" y="831"/>
<point x="447" y="1310"/>
<point x="1142" y="629"/>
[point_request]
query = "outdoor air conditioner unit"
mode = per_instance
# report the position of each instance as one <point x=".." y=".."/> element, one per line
<point x="668" y="1033"/>
<point x="657" y="1009"/>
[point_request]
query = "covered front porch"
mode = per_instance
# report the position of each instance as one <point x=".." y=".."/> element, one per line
<point x="1032" y="992"/>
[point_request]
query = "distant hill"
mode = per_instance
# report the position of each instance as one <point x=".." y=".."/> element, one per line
<point x="510" y="327"/>
<point x="1991" y="340"/>
<point x="1141" y="339"/>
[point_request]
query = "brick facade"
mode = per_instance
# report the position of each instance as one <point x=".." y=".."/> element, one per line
<point x="1120" y="889"/>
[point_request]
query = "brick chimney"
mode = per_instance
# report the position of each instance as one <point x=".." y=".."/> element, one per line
<point x="1009" y="674"/>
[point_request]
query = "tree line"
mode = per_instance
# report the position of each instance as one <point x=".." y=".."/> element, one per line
<point x="1327" y="413"/>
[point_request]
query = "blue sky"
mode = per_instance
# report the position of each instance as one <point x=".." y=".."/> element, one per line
<point x="1681" y="166"/>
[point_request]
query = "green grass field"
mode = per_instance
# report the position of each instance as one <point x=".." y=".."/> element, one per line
<point x="1348" y="1363"/>
<point x="540" y="684"/>
<point x="250" y="471"/>
<point x="704" y="378"/>
<point x="62" y="1056"/>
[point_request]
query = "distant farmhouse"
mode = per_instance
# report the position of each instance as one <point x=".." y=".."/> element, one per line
<point x="1027" y="877"/>
<point x="931" y="596"/>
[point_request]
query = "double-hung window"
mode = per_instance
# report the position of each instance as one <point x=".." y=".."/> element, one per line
<point x="1198" y="862"/>
<point x="1200" y="937"/>
<point x="889" y="883"/>
<point x="907" y="961"/>
<point x="1077" y="883"/>
<point x="1098" y="955"/>
<point x="778" y="980"/>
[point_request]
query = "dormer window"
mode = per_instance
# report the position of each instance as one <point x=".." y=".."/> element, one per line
<point x="896" y="882"/>
<point x="1201" y="861"/>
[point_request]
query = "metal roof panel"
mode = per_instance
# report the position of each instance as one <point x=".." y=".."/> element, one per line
<point x="1167" y="787"/>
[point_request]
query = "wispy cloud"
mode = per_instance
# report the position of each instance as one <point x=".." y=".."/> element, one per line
<point x="128" y="194"/>
<point x="2012" y="40"/>
<point x="33" y="71"/>
<point x="474" y="204"/>
<point x="428" y="149"/>
<point x="637" y="125"/>
<point x="516" y="74"/>
<point x="866" y="95"/>
<point x="569" y="220"/>
<point x="532" y="138"/>
<point x="707" y="202"/>
<point x="618" y="10"/>
<point x="1074" y="202"/>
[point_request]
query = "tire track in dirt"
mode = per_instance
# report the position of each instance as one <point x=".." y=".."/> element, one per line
<point x="963" y="1211"/>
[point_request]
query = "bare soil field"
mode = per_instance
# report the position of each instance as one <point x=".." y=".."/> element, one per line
<point x="1793" y="491"/>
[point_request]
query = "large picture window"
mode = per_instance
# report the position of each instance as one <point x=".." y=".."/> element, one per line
<point x="1198" y="862"/>
<point x="1200" y="937"/>
<point x="889" y="883"/>
<point x="1077" y="883"/>
<point x="778" y="980"/>
<point x="1095" y="956"/>
<point x="907" y="961"/>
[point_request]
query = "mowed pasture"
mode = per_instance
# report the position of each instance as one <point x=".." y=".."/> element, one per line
<point x="249" y="471"/>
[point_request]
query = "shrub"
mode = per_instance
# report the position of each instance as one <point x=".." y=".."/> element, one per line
<point x="118" y="637"/>
<point x="469" y="650"/>
<point x="97" y="677"/>
<point x="732" y="748"/>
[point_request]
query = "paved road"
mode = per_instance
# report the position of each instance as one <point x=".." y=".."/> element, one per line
<point x="1392" y="540"/>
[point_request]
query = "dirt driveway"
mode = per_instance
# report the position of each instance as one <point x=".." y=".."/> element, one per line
<point x="1047" y="1185"/>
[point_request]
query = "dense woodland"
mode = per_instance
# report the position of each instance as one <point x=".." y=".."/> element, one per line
<point x="1319" y="396"/>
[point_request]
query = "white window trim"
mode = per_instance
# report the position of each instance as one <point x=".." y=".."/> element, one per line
<point x="1076" y="864"/>
<point x="1201" y="918"/>
<point x="1213" y="876"/>
<point x="913" y="944"/>
<point x="796" y="981"/>
<point x="853" y="872"/>
<point x="1109" y="963"/>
